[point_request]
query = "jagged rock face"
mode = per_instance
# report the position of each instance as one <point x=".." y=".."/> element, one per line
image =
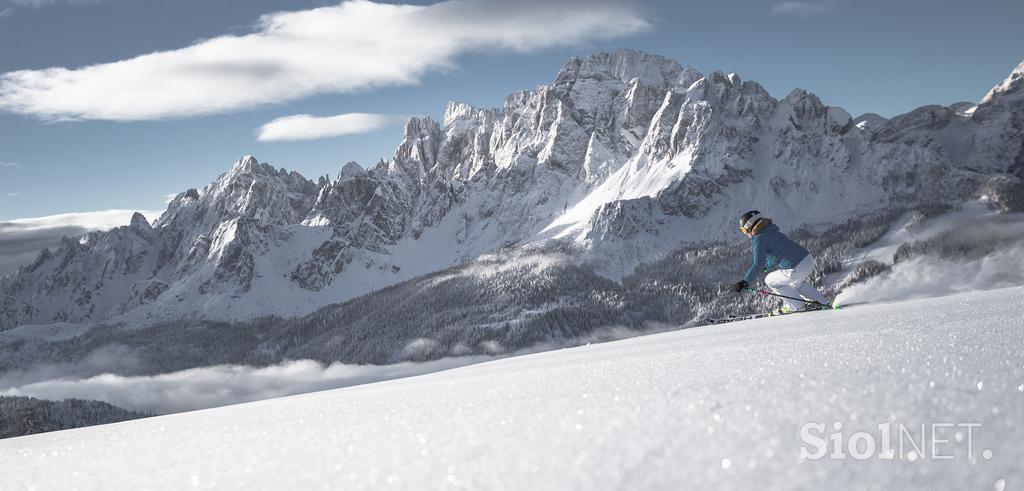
<point x="1000" y="139"/>
<point x="465" y="151"/>
<point x="725" y="145"/>
<point x="623" y="156"/>
<point x="723" y="139"/>
<point x="623" y="219"/>
<point x="142" y="293"/>
<point x="77" y="279"/>
<point x="1000" y="118"/>
<point x="207" y="241"/>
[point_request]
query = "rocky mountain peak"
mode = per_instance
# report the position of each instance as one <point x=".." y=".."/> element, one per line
<point x="625" y="65"/>
<point x="456" y="111"/>
<point x="801" y="96"/>
<point x="805" y="104"/>
<point x="963" y="108"/>
<point x="351" y="170"/>
<point x="255" y="190"/>
<point x="246" y="164"/>
<point x="420" y="127"/>
<point x="246" y="170"/>
<point x="869" y="121"/>
<point x="1012" y="86"/>
<point x="139" y="222"/>
<point x="418" y="150"/>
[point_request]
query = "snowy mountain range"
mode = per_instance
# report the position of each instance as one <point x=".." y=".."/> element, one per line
<point x="622" y="159"/>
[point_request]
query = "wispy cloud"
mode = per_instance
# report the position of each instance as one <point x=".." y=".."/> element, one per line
<point x="9" y="165"/>
<point x="205" y="387"/>
<point x="90" y="220"/>
<point x="107" y="374"/>
<point x="4" y="13"/>
<point x="306" y="127"/>
<point x="804" y="9"/>
<point x="12" y="195"/>
<point x="356" y="45"/>
<point x="22" y="239"/>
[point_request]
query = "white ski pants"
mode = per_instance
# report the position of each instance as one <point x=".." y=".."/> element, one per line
<point x="793" y="283"/>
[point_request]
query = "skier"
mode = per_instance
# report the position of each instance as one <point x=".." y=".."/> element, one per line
<point x="771" y="248"/>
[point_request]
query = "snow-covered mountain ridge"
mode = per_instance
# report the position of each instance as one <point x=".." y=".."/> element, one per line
<point x="624" y="156"/>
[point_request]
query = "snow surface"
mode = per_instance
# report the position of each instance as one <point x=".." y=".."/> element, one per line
<point x="715" y="406"/>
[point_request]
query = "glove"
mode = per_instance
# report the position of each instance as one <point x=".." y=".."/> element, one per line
<point x="738" y="287"/>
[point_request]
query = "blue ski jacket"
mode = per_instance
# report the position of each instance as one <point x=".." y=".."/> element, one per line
<point x="773" y="249"/>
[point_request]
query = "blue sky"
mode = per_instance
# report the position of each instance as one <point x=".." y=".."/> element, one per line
<point x="151" y="133"/>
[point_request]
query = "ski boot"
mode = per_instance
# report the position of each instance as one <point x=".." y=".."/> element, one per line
<point x="811" y="307"/>
<point x="780" y="311"/>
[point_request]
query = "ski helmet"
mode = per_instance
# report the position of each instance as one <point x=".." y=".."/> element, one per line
<point x="749" y="221"/>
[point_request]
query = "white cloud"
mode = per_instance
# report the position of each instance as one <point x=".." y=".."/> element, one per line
<point x="12" y="195"/>
<point x="803" y="9"/>
<point x="205" y="387"/>
<point x="306" y="127"/>
<point x="9" y="165"/>
<point x="4" y="13"/>
<point x="90" y="220"/>
<point x="96" y="376"/>
<point x="356" y="45"/>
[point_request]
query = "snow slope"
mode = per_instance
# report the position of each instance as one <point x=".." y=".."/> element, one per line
<point x="715" y="406"/>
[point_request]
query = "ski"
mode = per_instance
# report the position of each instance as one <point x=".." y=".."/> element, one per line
<point x="734" y="318"/>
